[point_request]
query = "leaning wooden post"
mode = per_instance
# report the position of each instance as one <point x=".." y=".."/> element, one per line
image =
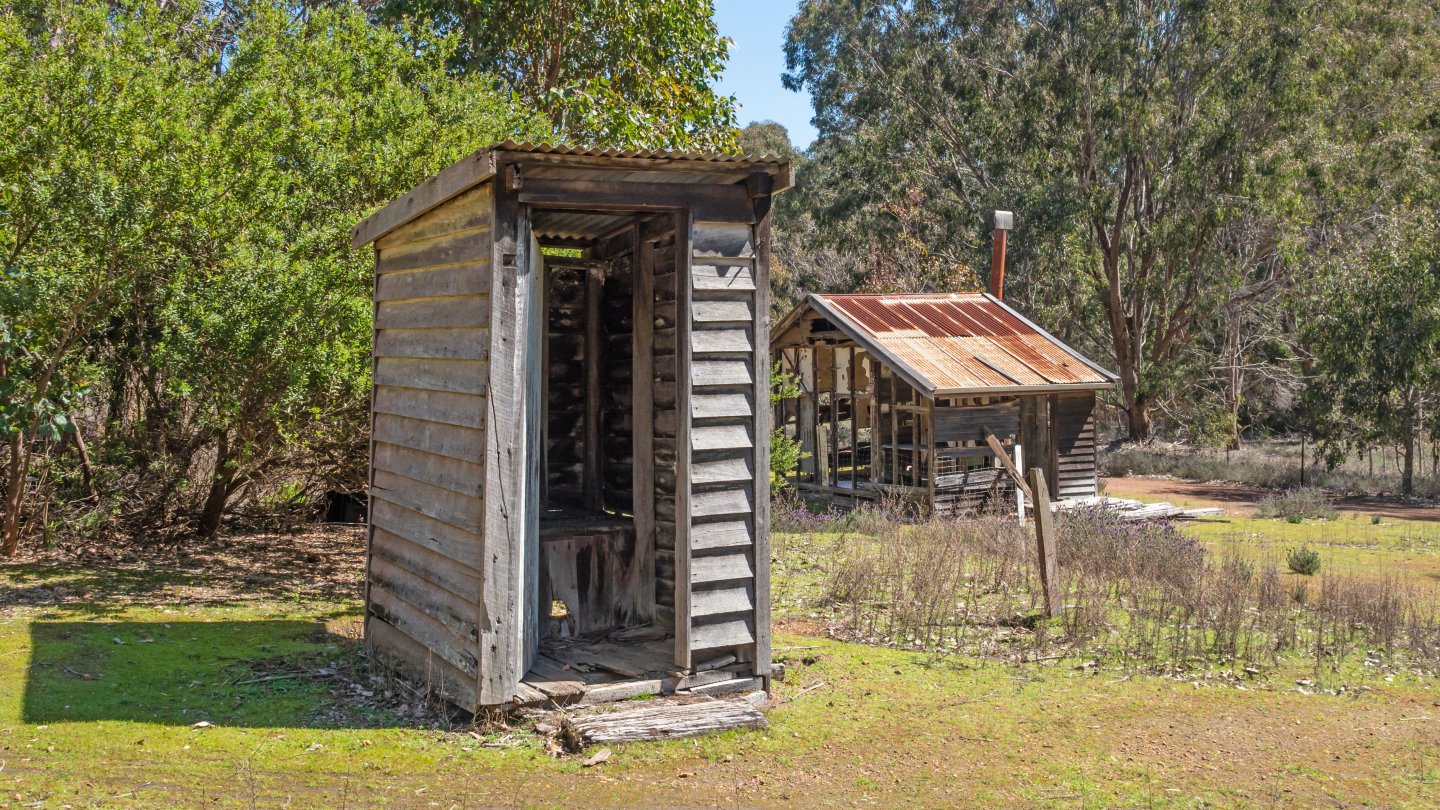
<point x="1045" y="542"/>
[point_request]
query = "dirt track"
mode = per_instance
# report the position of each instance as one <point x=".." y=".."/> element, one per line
<point x="1239" y="500"/>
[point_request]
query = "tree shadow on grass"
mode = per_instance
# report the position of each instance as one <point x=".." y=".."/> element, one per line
<point x="257" y="674"/>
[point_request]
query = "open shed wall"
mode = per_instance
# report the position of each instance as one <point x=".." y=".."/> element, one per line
<point x="431" y="373"/>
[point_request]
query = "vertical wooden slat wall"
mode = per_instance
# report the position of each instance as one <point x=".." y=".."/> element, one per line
<point x="727" y="377"/>
<point x="431" y="353"/>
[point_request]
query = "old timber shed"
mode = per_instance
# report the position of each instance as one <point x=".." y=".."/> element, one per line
<point x="910" y="396"/>
<point x="569" y="470"/>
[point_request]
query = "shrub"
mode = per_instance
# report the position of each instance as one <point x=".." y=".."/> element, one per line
<point x="1297" y="505"/>
<point x="1303" y="561"/>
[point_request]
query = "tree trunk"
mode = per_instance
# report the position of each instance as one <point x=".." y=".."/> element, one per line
<point x="87" y="472"/>
<point x="222" y="482"/>
<point x="1407" y="475"/>
<point x="1137" y="414"/>
<point x="14" y="496"/>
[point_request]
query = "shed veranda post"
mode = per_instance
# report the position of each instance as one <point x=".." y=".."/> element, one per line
<point x="569" y="466"/>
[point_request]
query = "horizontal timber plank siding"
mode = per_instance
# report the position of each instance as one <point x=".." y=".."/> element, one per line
<point x="1074" y="420"/>
<point x="431" y="377"/>
<point x="728" y="365"/>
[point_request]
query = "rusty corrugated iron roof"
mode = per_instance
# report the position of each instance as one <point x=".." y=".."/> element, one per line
<point x="960" y="343"/>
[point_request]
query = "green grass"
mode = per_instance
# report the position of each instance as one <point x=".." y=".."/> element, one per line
<point x="865" y="725"/>
<point x="1350" y="543"/>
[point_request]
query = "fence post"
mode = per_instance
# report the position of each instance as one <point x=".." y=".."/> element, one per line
<point x="1045" y="542"/>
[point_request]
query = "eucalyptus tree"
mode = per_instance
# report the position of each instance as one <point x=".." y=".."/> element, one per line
<point x="1126" y="136"/>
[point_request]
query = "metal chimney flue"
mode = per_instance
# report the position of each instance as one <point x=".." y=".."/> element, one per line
<point x="1001" y="223"/>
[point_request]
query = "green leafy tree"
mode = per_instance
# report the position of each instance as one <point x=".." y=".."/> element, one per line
<point x="606" y="72"/>
<point x="785" y="453"/>
<point x="182" y="246"/>
<point x="1375" y="339"/>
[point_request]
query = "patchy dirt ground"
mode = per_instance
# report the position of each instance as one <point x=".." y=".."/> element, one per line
<point x="1240" y="501"/>
<point x="181" y="712"/>
<point x="322" y="562"/>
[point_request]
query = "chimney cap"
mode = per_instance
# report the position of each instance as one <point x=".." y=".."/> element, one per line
<point x="1002" y="220"/>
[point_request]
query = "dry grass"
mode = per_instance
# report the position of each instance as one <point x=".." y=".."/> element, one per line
<point x="1140" y="595"/>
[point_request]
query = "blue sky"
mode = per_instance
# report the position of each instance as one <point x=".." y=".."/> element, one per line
<point x="756" y="61"/>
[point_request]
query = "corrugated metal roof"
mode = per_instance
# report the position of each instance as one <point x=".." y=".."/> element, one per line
<point x="960" y="343"/>
<point x="648" y="154"/>
<point x="650" y="165"/>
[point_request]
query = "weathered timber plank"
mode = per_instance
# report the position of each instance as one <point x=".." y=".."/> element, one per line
<point x="721" y="372"/>
<point x="423" y="666"/>
<point x="720" y="406"/>
<point x="458" y="510"/>
<point x="509" y="621"/>
<point x="719" y="275"/>
<point x="469" y="278"/>
<point x="736" y="564"/>
<point x="455" y="376"/>
<point x="722" y="310"/>
<point x="729" y="501"/>
<point x="426" y="630"/>
<point x="440" y="570"/>
<point x="458" y="615"/>
<point x="722" y="239"/>
<point x="661" y="721"/>
<point x="436" y="344"/>
<point x="450" y="542"/>
<point x="720" y="534"/>
<point x="465" y="246"/>
<point x="715" y="601"/>
<point x="465" y="212"/>
<point x="716" y="341"/>
<point x="453" y="311"/>
<point x="623" y="690"/>
<point x="722" y="470"/>
<point x="463" y="477"/>
<point x="554" y="681"/>
<point x="720" y="201"/>
<point x="448" y="183"/>
<point x="730" y="686"/>
<point x="459" y="410"/>
<point x="721" y="437"/>
<point x="711" y="635"/>
<point x="439" y="438"/>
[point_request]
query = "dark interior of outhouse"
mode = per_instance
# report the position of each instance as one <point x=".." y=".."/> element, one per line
<point x="606" y="532"/>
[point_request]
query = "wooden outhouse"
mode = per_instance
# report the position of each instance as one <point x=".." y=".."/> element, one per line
<point x="569" y="466"/>
<point x="912" y="398"/>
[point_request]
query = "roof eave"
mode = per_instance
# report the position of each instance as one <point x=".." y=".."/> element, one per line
<point x="860" y="336"/>
<point x="1052" y="388"/>
<point x="482" y="164"/>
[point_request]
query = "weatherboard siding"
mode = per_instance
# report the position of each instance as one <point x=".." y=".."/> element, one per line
<point x="431" y="377"/>
<point x="727" y="480"/>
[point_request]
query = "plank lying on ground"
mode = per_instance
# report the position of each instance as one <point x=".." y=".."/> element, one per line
<point x="1130" y="510"/>
<point x="660" y="721"/>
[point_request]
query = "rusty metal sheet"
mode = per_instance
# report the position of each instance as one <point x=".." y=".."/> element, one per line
<point x="962" y="342"/>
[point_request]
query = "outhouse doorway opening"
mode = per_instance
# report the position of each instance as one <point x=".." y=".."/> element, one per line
<point x="607" y="422"/>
